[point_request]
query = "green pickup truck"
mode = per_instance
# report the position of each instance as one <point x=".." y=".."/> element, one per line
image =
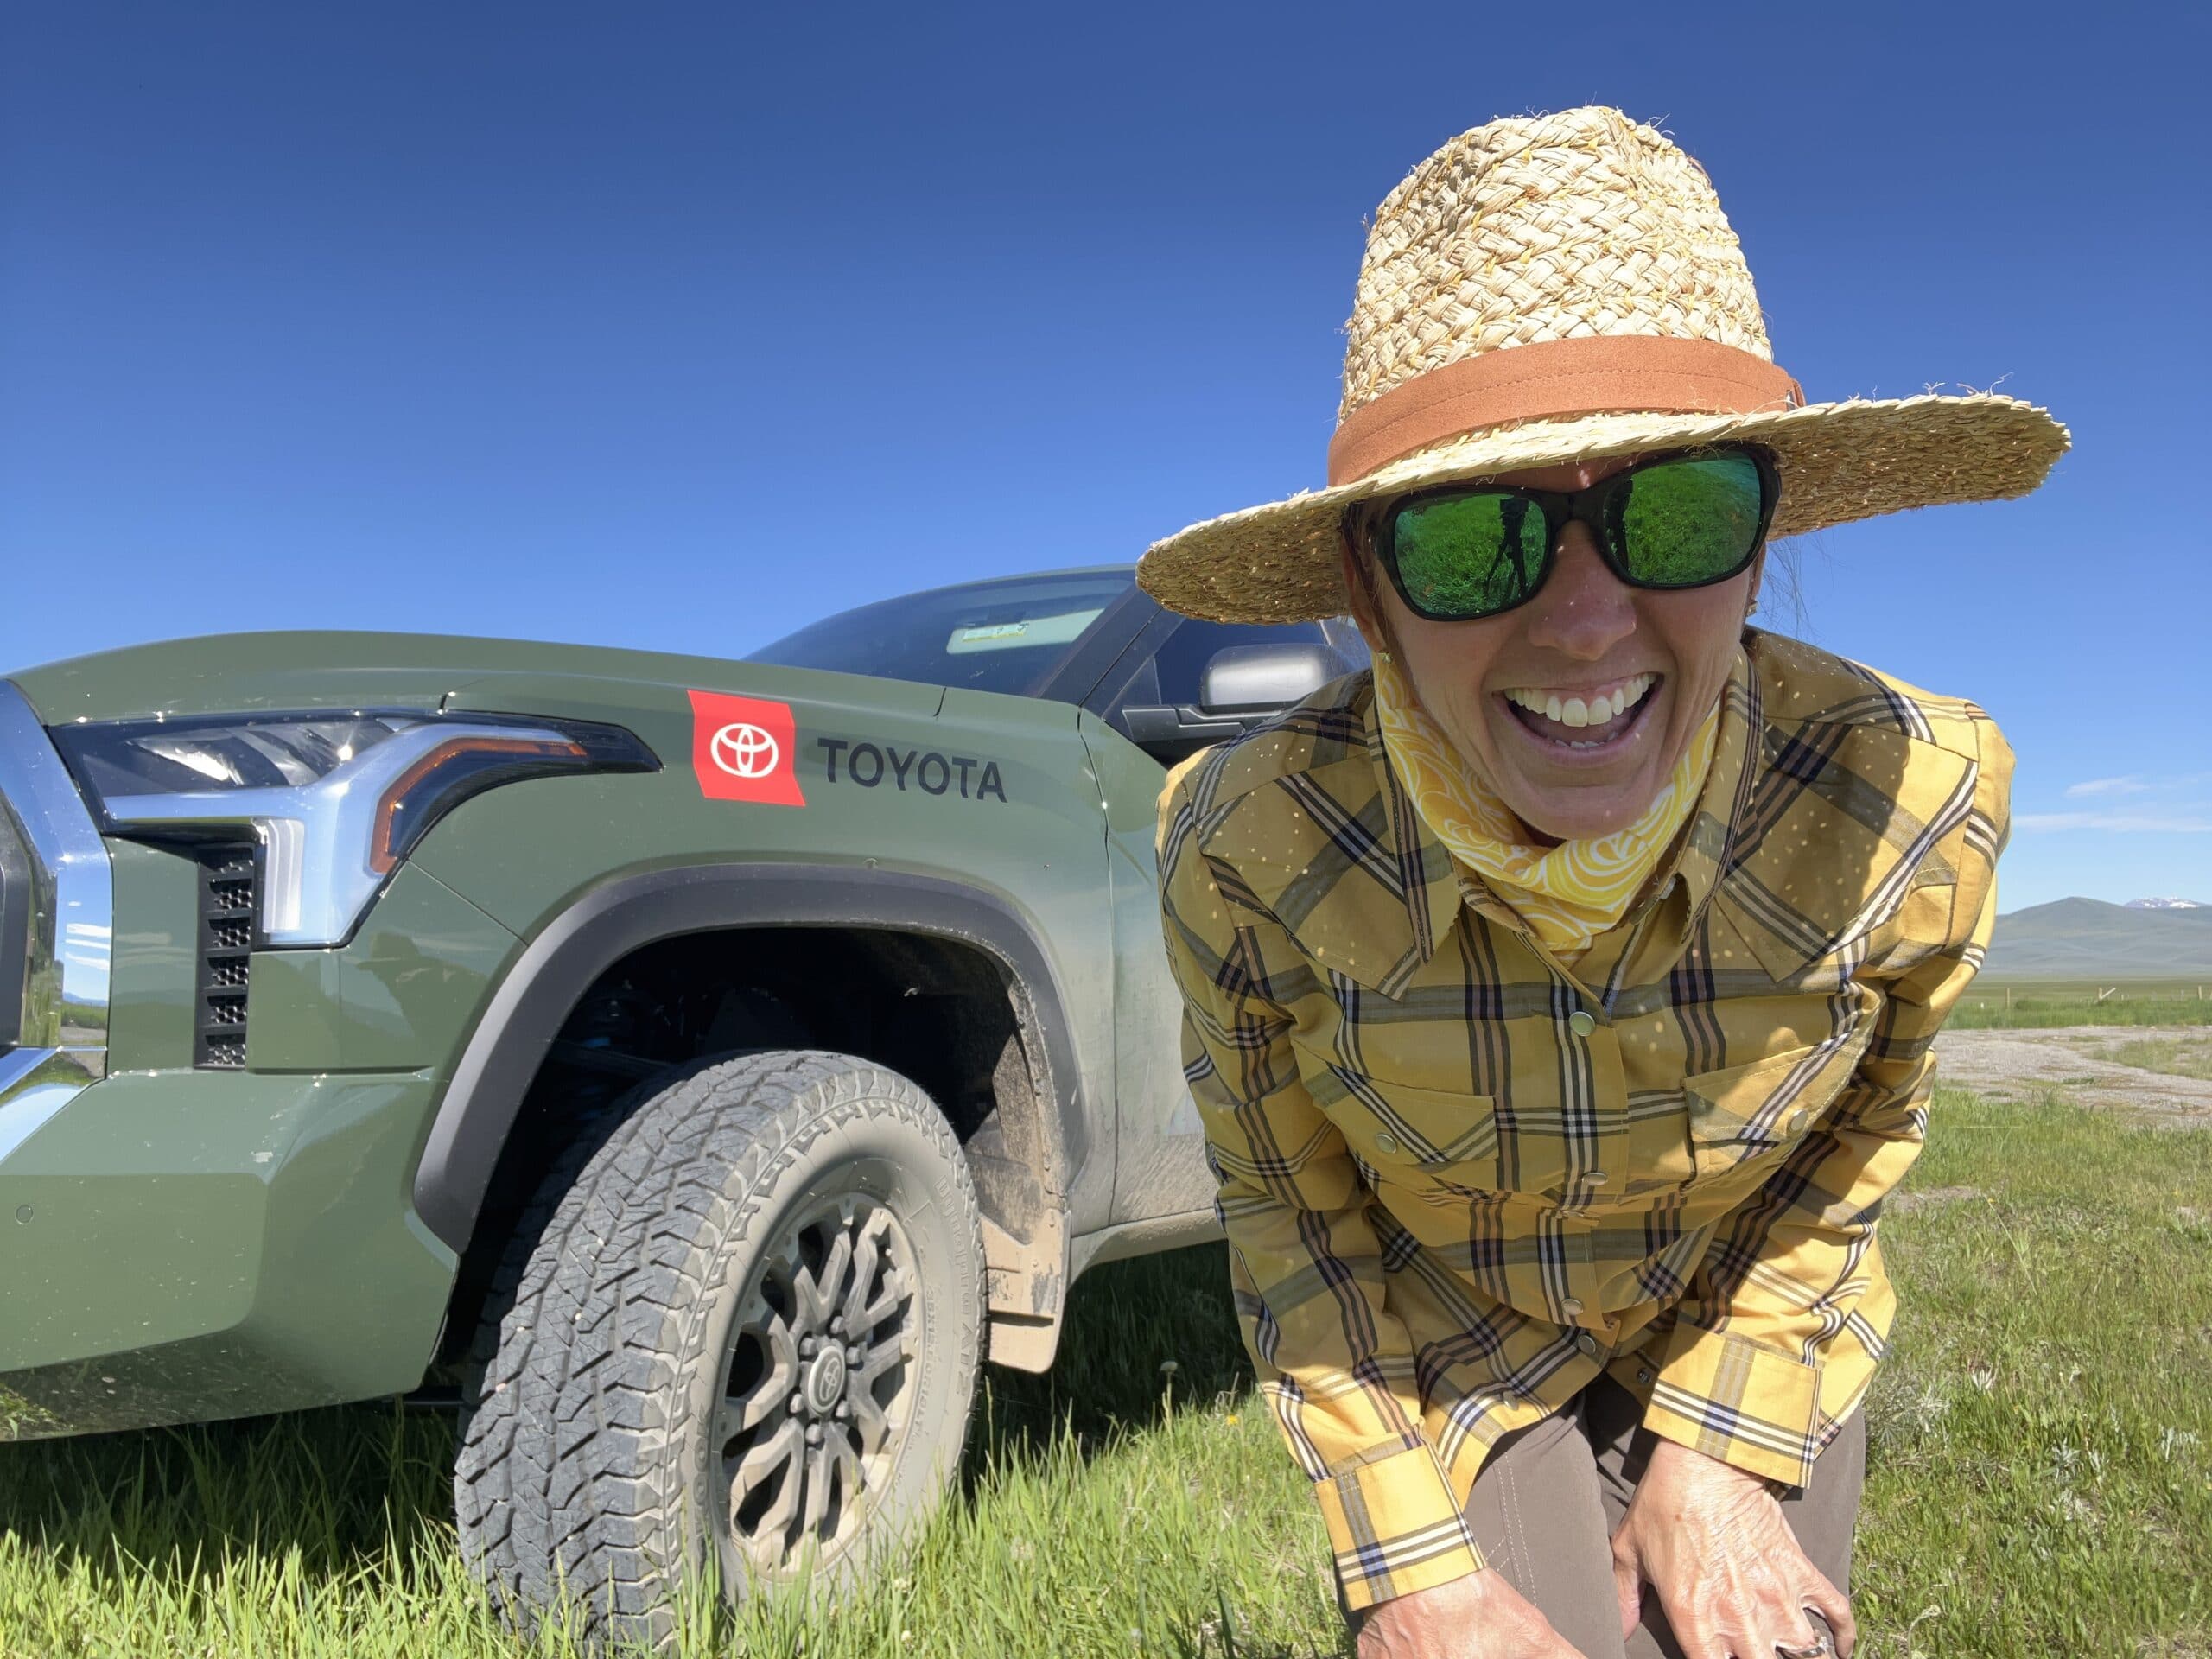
<point x="697" y="1067"/>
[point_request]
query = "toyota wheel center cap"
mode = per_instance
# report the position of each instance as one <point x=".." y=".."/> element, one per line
<point x="825" y="1380"/>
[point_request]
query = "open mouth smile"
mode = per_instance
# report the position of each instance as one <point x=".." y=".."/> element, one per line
<point x="1585" y="719"/>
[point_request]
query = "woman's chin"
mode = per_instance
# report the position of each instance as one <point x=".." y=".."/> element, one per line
<point x="1562" y="816"/>
<point x="1578" y="801"/>
<point x="1586" y="804"/>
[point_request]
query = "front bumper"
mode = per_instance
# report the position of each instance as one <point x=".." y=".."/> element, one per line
<point x="184" y="1245"/>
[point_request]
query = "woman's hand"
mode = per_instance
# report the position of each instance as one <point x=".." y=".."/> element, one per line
<point x="1479" y="1616"/>
<point x="1713" y="1540"/>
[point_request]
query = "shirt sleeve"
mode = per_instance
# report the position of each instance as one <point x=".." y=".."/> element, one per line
<point x="1787" y="1275"/>
<point x="1336" y="1366"/>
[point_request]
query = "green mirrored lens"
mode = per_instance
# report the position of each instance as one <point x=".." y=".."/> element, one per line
<point x="1686" y="522"/>
<point x="1468" y="555"/>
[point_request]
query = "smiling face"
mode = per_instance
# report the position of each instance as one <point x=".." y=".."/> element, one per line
<point x="1575" y="708"/>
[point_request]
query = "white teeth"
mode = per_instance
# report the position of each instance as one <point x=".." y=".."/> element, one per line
<point x="1579" y="711"/>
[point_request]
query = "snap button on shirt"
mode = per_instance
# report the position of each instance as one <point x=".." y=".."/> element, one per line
<point x="1386" y="1142"/>
<point x="1581" y="1023"/>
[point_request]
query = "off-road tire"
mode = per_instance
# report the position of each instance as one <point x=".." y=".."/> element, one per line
<point x="593" y="1430"/>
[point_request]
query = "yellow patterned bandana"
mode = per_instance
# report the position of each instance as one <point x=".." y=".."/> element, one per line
<point x="1568" y="893"/>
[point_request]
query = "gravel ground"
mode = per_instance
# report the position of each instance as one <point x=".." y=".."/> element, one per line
<point x="2020" y="1064"/>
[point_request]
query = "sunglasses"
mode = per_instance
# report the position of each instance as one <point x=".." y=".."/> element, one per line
<point x="1668" y="522"/>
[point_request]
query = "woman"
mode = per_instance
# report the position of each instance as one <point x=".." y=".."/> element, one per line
<point x="1558" y="996"/>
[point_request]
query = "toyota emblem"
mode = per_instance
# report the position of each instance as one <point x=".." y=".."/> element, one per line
<point x="744" y="750"/>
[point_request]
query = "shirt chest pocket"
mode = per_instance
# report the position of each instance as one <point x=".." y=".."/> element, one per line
<point x="1429" y="1140"/>
<point x="1744" y="1120"/>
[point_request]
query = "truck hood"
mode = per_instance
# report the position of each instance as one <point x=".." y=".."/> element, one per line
<point x="240" y="673"/>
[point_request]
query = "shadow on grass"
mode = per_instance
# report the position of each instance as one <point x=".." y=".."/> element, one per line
<point x="341" y="1487"/>
<point x="1126" y="1322"/>
<point x="352" y="1485"/>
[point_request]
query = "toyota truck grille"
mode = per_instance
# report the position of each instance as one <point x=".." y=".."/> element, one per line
<point x="228" y="880"/>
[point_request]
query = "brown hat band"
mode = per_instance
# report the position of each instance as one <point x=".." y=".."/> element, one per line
<point x="1548" y="379"/>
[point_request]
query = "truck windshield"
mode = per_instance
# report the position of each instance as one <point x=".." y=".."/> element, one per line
<point x="989" y="636"/>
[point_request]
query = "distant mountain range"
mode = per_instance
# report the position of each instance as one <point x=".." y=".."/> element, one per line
<point x="2088" y="938"/>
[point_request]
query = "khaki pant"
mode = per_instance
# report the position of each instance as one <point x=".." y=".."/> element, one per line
<point x="1548" y="1500"/>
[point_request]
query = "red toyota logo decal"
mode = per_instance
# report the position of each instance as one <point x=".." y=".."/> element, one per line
<point x="742" y="749"/>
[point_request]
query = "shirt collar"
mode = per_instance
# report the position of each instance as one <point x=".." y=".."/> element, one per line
<point x="1840" y="814"/>
<point x="1704" y="853"/>
<point x="1431" y="897"/>
<point x="1344" y="864"/>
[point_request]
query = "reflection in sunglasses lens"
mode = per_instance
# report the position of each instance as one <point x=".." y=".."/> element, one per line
<point x="1470" y="555"/>
<point x="1686" y="522"/>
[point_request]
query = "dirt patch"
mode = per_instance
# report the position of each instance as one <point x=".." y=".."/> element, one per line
<point x="2022" y="1064"/>
<point x="1903" y="1203"/>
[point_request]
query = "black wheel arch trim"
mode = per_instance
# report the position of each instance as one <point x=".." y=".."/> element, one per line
<point x="520" y="1021"/>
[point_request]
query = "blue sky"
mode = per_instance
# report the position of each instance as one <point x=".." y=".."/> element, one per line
<point x="567" y="322"/>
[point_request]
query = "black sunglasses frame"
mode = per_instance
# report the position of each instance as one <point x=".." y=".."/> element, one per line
<point x="1375" y="523"/>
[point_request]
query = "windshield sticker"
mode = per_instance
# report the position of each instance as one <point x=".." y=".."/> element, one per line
<point x="871" y="765"/>
<point x="744" y="749"/>
<point x="1056" y="630"/>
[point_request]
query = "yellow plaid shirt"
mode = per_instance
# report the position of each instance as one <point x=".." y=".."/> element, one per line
<point x="1459" y="1177"/>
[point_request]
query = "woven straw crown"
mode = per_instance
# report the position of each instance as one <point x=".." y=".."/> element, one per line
<point x="1593" y="243"/>
<point x="1563" y="228"/>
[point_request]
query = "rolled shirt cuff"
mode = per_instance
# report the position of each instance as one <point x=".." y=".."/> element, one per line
<point x="1395" y="1528"/>
<point x="1755" y="1407"/>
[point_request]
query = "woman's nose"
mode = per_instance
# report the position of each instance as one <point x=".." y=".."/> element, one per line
<point x="1584" y="610"/>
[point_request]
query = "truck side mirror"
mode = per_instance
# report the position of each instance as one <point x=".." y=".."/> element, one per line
<point x="1262" y="681"/>
<point x="1243" y="687"/>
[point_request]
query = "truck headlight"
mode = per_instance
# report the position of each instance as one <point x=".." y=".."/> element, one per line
<point x="336" y="799"/>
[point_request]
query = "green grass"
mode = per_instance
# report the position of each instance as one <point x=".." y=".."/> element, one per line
<point x="2170" y="1055"/>
<point x="2041" y="1454"/>
<point x="2041" y="1003"/>
<point x="2041" y="1468"/>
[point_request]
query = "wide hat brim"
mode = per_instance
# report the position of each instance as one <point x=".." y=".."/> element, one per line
<point x="1839" y="462"/>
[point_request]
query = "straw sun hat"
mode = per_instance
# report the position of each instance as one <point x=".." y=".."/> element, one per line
<point x="1559" y="287"/>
